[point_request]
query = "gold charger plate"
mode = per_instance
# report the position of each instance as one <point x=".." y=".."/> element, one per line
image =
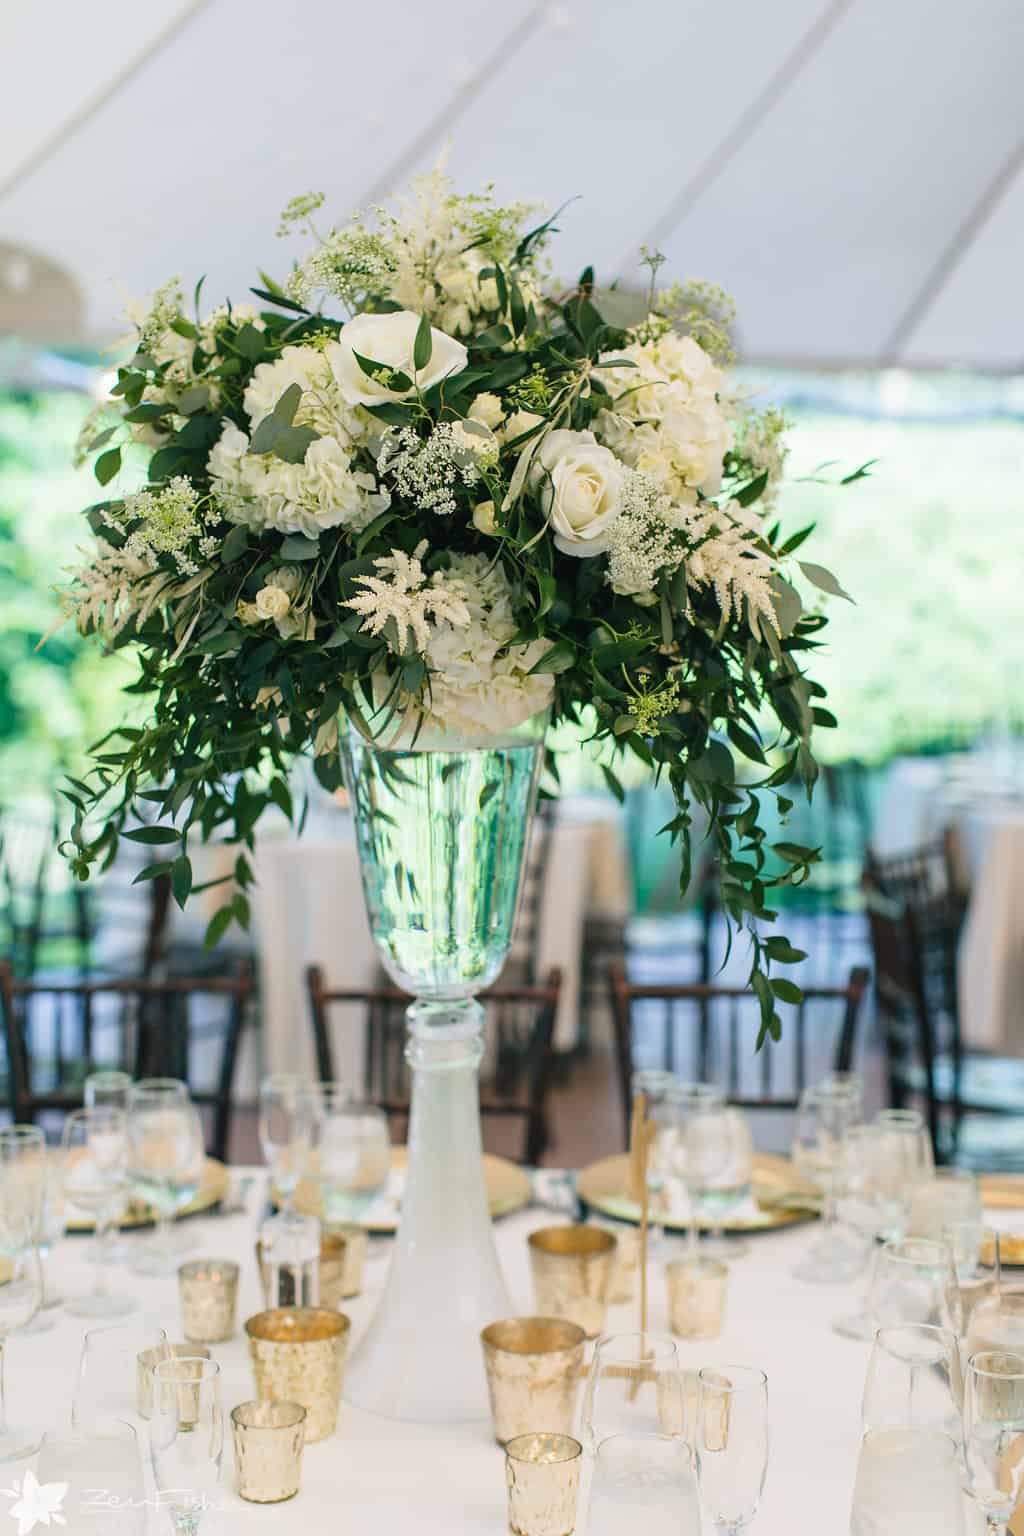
<point x="1002" y="1191"/>
<point x="784" y="1195"/>
<point x="212" y="1189"/>
<point x="508" y="1190"/>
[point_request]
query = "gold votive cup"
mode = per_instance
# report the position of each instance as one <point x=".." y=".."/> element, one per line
<point x="145" y="1362"/>
<point x="572" y="1269"/>
<point x="209" y="1294"/>
<point x="298" y="1356"/>
<point x="333" y="1251"/>
<point x="625" y="1264"/>
<point x="356" y="1244"/>
<point x="533" y="1367"/>
<point x="696" y="1297"/>
<point x="268" y="1450"/>
<point x="542" y="1474"/>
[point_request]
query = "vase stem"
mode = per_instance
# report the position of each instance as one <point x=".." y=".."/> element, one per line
<point x="420" y="1357"/>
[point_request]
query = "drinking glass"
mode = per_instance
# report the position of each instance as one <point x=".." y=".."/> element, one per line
<point x="732" y="1443"/>
<point x="286" y="1131"/>
<point x="862" y="1205"/>
<point x="109" y="1090"/>
<point x="51" y="1230"/>
<point x="914" y="1281"/>
<point x="20" y="1296"/>
<point x="997" y="1322"/>
<point x="907" y="1484"/>
<point x="635" y="1386"/>
<point x="656" y="1087"/>
<point x="102" y="1473"/>
<point x="914" y="1381"/>
<point x="994" y="1434"/>
<point x="95" y="1177"/>
<point x="106" y="1388"/>
<point x="905" y="1158"/>
<point x="719" y="1153"/>
<point x="644" y="1482"/>
<point x="949" y="1194"/>
<point x="686" y="1101"/>
<point x="165" y="1163"/>
<point x="824" y="1116"/>
<point x="353" y="1147"/>
<point x="186" y="1436"/>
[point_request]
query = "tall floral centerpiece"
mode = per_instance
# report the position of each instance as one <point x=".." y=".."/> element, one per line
<point x="414" y="503"/>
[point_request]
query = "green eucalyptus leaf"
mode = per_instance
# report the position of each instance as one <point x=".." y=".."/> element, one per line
<point x="297" y="547"/>
<point x="108" y="465"/>
<point x="823" y="579"/>
<point x="291" y="443"/>
<point x="151" y="837"/>
<point x="423" y="346"/>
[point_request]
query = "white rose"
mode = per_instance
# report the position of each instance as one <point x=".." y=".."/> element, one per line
<point x="487" y="409"/>
<point x="389" y="339"/>
<point x="580" y="487"/>
<point x="484" y="519"/>
<point x="518" y="423"/>
<point x="272" y="602"/>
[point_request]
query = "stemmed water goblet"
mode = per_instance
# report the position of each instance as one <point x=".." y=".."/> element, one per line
<point x="994" y="1434"/>
<point x="353" y="1152"/>
<point x="634" y="1387"/>
<point x="643" y="1483"/>
<point x="907" y="1482"/>
<point x="95" y="1143"/>
<point x="914" y="1281"/>
<point x="686" y="1101"/>
<point x="22" y="1289"/>
<point x="719" y="1154"/>
<point x="286" y="1132"/>
<point x="165" y="1142"/>
<point x="186" y="1436"/>
<point x="914" y="1381"/>
<point x="732" y="1444"/>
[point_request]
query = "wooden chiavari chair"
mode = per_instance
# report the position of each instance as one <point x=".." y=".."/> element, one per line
<point x="535" y="1007"/>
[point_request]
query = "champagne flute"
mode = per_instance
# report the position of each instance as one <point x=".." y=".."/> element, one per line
<point x="51" y="1230"/>
<point x="824" y="1116"/>
<point x="907" y="1484"/>
<point x="914" y="1381"/>
<point x="286" y="1132"/>
<point x="109" y="1089"/>
<point x="635" y="1386"/>
<point x="914" y="1281"/>
<point x="864" y="1207"/>
<point x="656" y="1086"/>
<point x="688" y="1100"/>
<point x="165" y="1141"/>
<point x="22" y="1290"/>
<point x="186" y="1435"/>
<point x="25" y="1168"/>
<point x="719" y="1163"/>
<point x="994" y="1434"/>
<point x="95" y="1178"/>
<point x="732" y="1443"/>
<point x="353" y="1146"/>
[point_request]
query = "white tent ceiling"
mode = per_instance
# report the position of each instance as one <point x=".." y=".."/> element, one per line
<point x="852" y="170"/>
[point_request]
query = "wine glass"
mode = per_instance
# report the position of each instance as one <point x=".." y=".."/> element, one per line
<point x="994" y="1434"/>
<point x="106" y="1387"/>
<point x="109" y="1089"/>
<point x="719" y="1153"/>
<point x="914" y="1281"/>
<point x="824" y="1116"/>
<point x="904" y="1159"/>
<point x="635" y="1386"/>
<point x="687" y="1100"/>
<point x="95" y="1146"/>
<point x="186" y="1436"/>
<point x="22" y="1288"/>
<point x="101" y="1472"/>
<point x="908" y="1481"/>
<point x="643" y="1482"/>
<point x="914" y="1381"/>
<point x="732" y="1443"/>
<point x="286" y="1131"/>
<point x="353" y="1147"/>
<point x="165" y="1159"/>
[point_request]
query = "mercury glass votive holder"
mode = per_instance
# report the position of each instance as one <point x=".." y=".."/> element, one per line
<point x="145" y="1362"/>
<point x="333" y="1265"/>
<point x="542" y="1474"/>
<point x="533" y="1366"/>
<point x="572" y="1269"/>
<point x="356" y="1244"/>
<point x="209" y="1294"/>
<point x="696" y="1297"/>
<point x="298" y="1356"/>
<point x="268" y="1450"/>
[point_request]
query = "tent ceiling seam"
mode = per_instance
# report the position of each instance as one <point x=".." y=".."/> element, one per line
<point x="49" y="147"/>
<point x="949" y="259"/>
<point x="448" y="115"/>
<point x="725" y="151"/>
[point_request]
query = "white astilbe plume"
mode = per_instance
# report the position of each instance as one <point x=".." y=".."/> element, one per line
<point x="726" y="557"/>
<point x="114" y="586"/>
<point x="404" y="592"/>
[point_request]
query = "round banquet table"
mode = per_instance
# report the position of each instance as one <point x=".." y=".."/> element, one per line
<point x="395" y="1479"/>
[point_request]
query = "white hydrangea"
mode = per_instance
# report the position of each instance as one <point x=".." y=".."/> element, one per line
<point x="321" y="406"/>
<point x="262" y="491"/>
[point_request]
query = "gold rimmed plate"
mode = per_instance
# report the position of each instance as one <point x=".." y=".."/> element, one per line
<point x="508" y="1190"/>
<point x="782" y="1196"/>
<point x="212" y="1189"/>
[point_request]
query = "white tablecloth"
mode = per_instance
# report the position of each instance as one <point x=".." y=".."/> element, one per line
<point x="389" y="1479"/>
<point x="921" y="797"/>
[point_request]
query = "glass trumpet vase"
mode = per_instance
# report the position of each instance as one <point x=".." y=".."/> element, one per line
<point x="442" y="830"/>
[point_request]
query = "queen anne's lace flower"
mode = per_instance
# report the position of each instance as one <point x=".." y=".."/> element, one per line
<point x="426" y="471"/>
